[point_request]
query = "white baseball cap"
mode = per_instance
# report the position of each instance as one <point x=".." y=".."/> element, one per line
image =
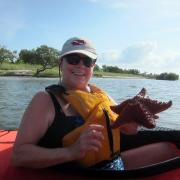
<point x="78" y="45"/>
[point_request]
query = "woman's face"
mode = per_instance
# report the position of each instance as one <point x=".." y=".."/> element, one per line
<point x="76" y="76"/>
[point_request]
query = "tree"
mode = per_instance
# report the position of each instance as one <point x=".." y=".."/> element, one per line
<point x="133" y="71"/>
<point x="6" y="55"/>
<point x="167" y="76"/>
<point x="104" y="68"/>
<point x="97" y="68"/>
<point x="47" y="57"/>
<point x="27" y="56"/>
<point x="114" y="69"/>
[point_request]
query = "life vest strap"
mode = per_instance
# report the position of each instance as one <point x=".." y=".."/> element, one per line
<point x="109" y="131"/>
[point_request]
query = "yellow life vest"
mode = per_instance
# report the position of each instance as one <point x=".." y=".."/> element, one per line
<point x="92" y="107"/>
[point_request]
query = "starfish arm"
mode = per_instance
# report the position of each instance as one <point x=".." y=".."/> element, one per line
<point x="120" y="107"/>
<point x="153" y="106"/>
<point x="145" y="117"/>
<point x="125" y="116"/>
<point x="140" y="109"/>
<point x="135" y="112"/>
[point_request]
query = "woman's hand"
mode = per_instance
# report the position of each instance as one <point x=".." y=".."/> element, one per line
<point x="130" y="128"/>
<point x="90" y="139"/>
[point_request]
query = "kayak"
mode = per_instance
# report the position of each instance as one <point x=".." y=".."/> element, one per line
<point x="163" y="170"/>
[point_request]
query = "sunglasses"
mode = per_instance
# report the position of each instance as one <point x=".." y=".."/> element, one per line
<point x="75" y="59"/>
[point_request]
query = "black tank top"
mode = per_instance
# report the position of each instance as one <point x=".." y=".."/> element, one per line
<point x="61" y="126"/>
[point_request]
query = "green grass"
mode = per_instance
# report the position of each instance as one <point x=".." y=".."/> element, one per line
<point x="10" y="66"/>
<point x="9" y="69"/>
<point x="110" y="74"/>
<point x="54" y="72"/>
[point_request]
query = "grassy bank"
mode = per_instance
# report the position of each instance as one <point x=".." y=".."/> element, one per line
<point x="8" y="69"/>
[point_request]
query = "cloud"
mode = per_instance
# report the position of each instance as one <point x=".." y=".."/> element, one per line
<point x="138" y="52"/>
<point x="163" y="62"/>
<point x="109" y="57"/>
<point x="144" y="56"/>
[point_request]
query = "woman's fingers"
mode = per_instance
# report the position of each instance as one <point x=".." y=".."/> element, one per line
<point x="92" y="137"/>
<point x="94" y="134"/>
<point x="90" y="140"/>
<point x="94" y="146"/>
<point x="96" y="127"/>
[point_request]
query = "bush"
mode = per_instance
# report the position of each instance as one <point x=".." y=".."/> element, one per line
<point x="167" y="76"/>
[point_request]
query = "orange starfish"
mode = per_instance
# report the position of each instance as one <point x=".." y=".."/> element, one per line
<point x="140" y="109"/>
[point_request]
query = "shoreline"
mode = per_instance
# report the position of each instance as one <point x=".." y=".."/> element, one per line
<point x="16" y="73"/>
<point x="29" y="73"/>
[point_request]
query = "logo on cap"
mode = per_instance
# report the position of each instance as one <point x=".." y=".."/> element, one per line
<point x="78" y="42"/>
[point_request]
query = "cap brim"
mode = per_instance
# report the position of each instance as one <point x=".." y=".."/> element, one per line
<point x="87" y="53"/>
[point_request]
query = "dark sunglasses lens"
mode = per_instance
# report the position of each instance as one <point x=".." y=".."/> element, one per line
<point x="75" y="59"/>
<point x="72" y="59"/>
<point x="88" y="62"/>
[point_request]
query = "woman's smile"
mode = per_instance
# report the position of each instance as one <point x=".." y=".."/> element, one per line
<point x="78" y="73"/>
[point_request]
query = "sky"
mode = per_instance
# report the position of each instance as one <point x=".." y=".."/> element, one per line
<point x="130" y="34"/>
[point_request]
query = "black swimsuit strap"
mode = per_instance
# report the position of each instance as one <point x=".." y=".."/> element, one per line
<point x="58" y="108"/>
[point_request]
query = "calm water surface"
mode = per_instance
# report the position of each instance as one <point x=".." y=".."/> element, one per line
<point x="16" y="93"/>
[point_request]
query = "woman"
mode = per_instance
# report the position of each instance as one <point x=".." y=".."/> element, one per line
<point x="69" y="124"/>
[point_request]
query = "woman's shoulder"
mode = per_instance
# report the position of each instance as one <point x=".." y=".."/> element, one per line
<point x="41" y="95"/>
<point x="42" y="105"/>
<point x="42" y="98"/>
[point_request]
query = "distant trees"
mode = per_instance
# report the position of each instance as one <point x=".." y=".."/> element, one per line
<point x="6" y="55"/>
<point x="48" y="57"/>
<point x="116" y="69"/>
<point x="45" y="56"/>
<point x="167" y="76"/>
<point x="27" y="57"/>
<point x="97" y="68"/>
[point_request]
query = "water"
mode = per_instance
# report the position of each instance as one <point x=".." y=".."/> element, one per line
<point x="16" y="93"/>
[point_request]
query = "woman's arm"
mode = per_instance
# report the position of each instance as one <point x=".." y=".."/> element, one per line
<point x="35" y="122"/>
